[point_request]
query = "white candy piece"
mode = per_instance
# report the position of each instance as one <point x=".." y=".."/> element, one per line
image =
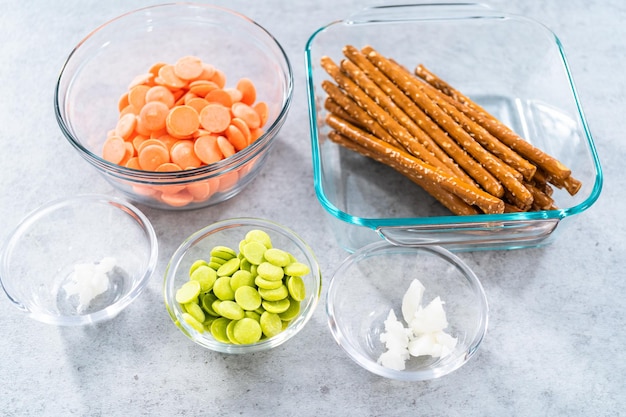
<point x="392" y="360"/>
<point x="412" y="300"/>
<point x="89" y="280"/>
<point x="429" y="319"/>
<point x="423" y="345"/>
<point x="424" y="336"/>
<point x="396" y="336"/>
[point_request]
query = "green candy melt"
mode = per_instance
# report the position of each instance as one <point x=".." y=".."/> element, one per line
<point x="195" y="311"/>
<point x="296" y="287"/>
<point x="188" y="292"/>
<point x="292" y="312"/>
<point x="247" y="330"/>
<point x="241" y="278"/>
<point x="205" y="275"/>
<point x="270" y="272"/>
<point x="197" y="264"/>
<point x="218" y="329"/>
<point x="228" y="268"/>
<point x="271" y="324"/>
<point x="223" y="252"/>
<point x="279" y="306"/>
<point x="277" y="257"/>
<point x="253" y="252"/>
<point x="190" y="320"/>
<point x="222" y="289"/>
<point x="296" y="269"/>
<point x="230" y="332"/>
<point x="248" y="298"/>
<point x="268" y="285"/>
<point x="231" y="310"/>
<point x="207" y="304"/>
<point x="259" y="236"/>
<point x="276" y="294"/>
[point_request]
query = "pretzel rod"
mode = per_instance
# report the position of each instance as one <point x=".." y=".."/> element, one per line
<point x="387" y="104"/>
<point x="354" y="110"/>
<point x="473" y="169"/>
<point x="540" y="199"/>
<point x="541" y="176"/>
<point x="331" y="106"/>
<point x="543" y="187"/>
<point x="510" y="178"/>
<point x="571" y="184"/>
<point x="470" y="194"/>
<point x="395" y="129"/>
<point x="513" y="200"/>
<point x="510" y="208"/>
<point x="498" y="129"/>
<point x="541" y="182"/>
<point x="449" y="200"/>
<point x="486" y="139"/>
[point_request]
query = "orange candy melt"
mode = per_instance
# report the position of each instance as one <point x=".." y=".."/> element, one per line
<point x="182" y="116"/>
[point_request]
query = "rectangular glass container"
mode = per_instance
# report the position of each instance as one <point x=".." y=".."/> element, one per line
<point x="513" y="66"/>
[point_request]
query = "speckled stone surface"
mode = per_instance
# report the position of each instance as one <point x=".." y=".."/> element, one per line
<point x="556" y="338"/>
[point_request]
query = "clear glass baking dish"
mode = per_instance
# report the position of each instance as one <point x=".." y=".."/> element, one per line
<point x="513" y="66"/>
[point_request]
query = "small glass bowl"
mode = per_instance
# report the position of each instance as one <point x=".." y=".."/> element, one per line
<point x="374" y="279"/>
<point x="229" y="233"/>
<point x="41" y="255"/>
<point x="520" y="75"/>
<point x="100" y="68"/>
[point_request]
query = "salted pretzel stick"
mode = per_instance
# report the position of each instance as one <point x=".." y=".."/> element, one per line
<point x="540" y="199"/>
<point x="540" y="180"/>
<point x="386" y="103"/>
<point x="483" y="137"/>
<point x="550" y="164"/>
<point x="510" y="178"/>
<point x="354" y="110"/>
<point x="513" y="200"/>
<point x="395" y="129"/>
<point x="470" y="194"/>
<point x="449" y="200"/>
<point x="571" y="184"/>
<point x="474" y="170"/>
<point x="332" y="106"/>
<point x="510" y="208"/>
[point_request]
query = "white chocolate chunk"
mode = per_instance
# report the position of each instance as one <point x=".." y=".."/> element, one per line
<point x="429" y="319"/>
<point x="412" y="300"/>
<point x="424" y="336"/>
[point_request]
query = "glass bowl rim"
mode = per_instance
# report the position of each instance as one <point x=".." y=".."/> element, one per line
<point x="32" y="217"/>
<point x="365" y="362"/>
<point x="211" y="170"/>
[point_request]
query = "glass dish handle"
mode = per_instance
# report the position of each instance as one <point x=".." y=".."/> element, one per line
<point x="424" y="11"/>
<point x="487" y="234"/>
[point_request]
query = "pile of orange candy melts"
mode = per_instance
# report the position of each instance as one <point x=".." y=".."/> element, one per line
<point x="182" y="116"/>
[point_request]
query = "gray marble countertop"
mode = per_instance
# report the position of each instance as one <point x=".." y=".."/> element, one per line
<point x="556" y="339"/>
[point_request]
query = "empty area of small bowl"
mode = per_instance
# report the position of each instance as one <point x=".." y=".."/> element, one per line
<point x="229" y="233"/>
<point x="102" y="66"/>
<point x="39" y="259"/>
<point x="373" y="281"/>
<point x="518" y="73"/>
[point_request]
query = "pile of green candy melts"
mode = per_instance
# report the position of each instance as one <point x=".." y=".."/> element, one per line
<point x="246" y="296"/>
